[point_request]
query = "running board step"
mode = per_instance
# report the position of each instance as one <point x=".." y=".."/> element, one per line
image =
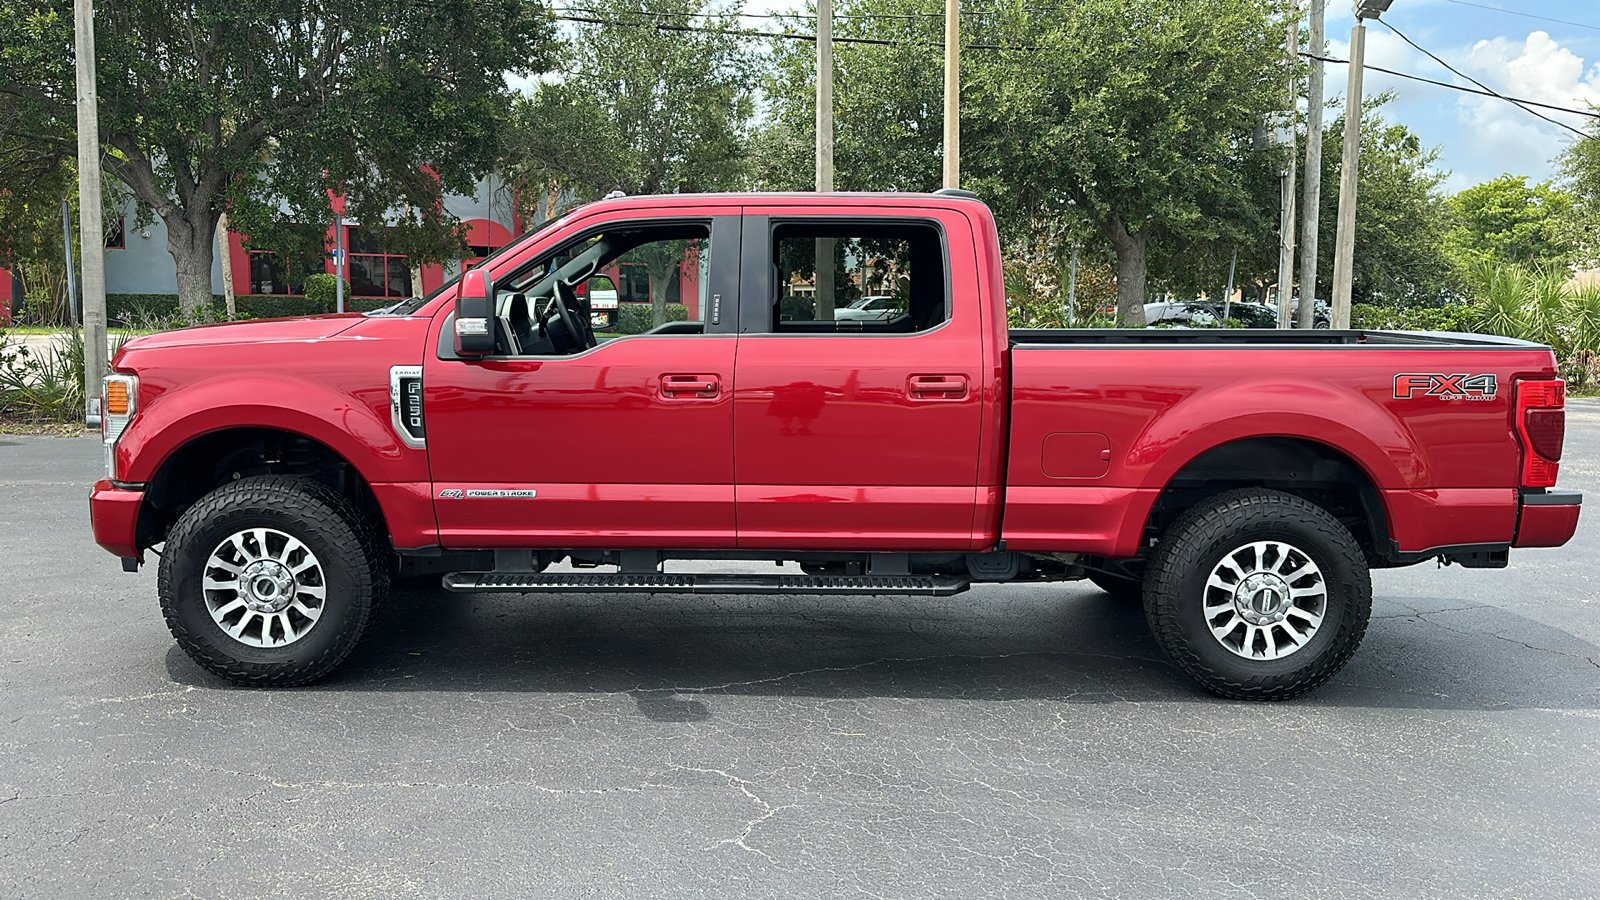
<point x="536" y="583"/>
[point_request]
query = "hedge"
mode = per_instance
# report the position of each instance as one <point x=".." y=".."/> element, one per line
<point x="134" y="309"/>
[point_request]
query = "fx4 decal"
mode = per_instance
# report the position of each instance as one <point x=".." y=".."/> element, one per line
<point x="1445" y="387"/>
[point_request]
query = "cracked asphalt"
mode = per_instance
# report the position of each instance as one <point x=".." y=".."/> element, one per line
<point x="1011" y="741"/>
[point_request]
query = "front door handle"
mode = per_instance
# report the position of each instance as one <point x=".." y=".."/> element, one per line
<point x="703" y="387"/>
<point x="944" y="387"/>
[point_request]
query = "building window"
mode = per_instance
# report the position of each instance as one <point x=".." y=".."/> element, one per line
<point x="633" y="285"/>
<point x="117" y="235"/>
<point x="272" y="273"/>
<point x="374" y="273"/>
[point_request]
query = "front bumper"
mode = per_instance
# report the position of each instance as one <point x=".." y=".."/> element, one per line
<point x="114" y="512"/>
<point x="1547" y="518"/>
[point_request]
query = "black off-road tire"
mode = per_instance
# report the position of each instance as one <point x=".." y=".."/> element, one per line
<point x="344" y="542"/>
<point x="1185" y="557"/>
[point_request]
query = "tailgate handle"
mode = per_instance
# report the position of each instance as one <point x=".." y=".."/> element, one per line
<point x="941" y="385"/>
<point x="699" y="385"/>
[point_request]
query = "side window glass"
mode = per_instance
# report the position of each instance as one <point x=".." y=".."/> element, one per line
<point x="632" y="279"/>
<point x="874" y="279"/>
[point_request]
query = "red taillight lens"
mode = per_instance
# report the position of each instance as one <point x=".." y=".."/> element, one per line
<point x="1542" y="427"/>
<point x="1546" y="430"/>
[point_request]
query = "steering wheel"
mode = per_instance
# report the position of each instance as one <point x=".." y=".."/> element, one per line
<point x="573" y="316"/>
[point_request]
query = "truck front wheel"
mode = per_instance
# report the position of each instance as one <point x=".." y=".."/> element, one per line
<point x="1258" y="594"/>
<point x="270" y="581"/>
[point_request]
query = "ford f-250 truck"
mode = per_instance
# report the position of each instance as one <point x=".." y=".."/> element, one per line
<point x="1240" y="483"/>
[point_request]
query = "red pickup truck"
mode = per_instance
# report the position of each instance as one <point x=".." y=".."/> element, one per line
<point x="1240" y="483"/>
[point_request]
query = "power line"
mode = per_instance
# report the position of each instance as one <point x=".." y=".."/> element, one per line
<point x="1514" y="12"/>
<point x="784" y="35"/>
<point x="880" y="42"/>
<point x="1525" y="107"/>
<point x="1456" y="87"/>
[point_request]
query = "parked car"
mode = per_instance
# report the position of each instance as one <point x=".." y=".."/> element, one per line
<point x="1239" y="484"/>
<point x="871" y="309"/>
<point x="1209" y="314"/>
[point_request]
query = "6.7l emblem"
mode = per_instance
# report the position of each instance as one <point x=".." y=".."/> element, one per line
<point x="1445" y="387"/>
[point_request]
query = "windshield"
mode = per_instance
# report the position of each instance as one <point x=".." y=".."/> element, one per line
<point x="410" y="307"/>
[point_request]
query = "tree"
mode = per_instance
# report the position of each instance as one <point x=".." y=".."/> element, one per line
<point x="1401" y="216"/>
<point x="644" y="107"/>
<point x="1133" y="117"/>
<point x="1580" y="177"/>
<point x="1508" y="220"/>
<point x="1139" y="115"/>
<point x="264" y="107"/>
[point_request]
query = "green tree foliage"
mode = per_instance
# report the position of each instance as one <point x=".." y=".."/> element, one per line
<point x="1130" y="118"/>
<point x="1401" y="216"/>
<point x="1580" y="177"/>
<point x="1508" y="220"/>
<point x="260" y="106"/>
<point x="640" y="107"/>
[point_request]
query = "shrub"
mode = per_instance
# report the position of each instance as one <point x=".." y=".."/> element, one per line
<point x="636" y="318"/>
<point x="44" y="385"/>
<point x="322" y="289"/>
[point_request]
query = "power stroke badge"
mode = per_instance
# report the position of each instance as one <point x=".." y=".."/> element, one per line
<point x="1445" y="387"/>
<point x="486" y="494"/>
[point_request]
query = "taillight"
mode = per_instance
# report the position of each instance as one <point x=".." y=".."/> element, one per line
<point x="1542" y="427"/>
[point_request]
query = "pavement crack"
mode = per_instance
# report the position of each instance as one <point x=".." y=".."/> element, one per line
<point x="744" y="785"/>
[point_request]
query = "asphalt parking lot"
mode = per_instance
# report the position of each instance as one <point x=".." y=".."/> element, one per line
<point x="1008" y="742"/>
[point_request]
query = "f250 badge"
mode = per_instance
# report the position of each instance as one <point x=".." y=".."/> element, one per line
<point x="1445" y="387"/>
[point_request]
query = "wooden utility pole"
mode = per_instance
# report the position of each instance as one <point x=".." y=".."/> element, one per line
<point x="91" y="233"/>
<point x="824" y="246"/>
<point x="1286" y="179"/>
<point x="1311" y="203"/>
<point x="1345" y="238"/>
<point x="952" y="93"/>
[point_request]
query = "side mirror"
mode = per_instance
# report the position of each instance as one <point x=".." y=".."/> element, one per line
<point x="475" y="315"/>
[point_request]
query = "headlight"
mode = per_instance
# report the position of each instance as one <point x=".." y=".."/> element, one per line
<point x="119" y="396"/>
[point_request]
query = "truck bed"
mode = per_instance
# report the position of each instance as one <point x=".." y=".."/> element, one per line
<point x="1033" y="338"/>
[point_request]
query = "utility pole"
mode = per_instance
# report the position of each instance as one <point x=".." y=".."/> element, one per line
<point x="72" y="280"/>
<point x="1072" y="289"/>
<point x="824" y="259"/>
<point x="91" y="235"/>
<point x="1312" y="202"/>
<point x="1286" y="179"/>
<point x="338" y="263"/>
<point x="1345" y="239"/>
<point x="226" y="256"/>
<point x="952" y="93"/>
<point x="1227" y="298"/>
<point x="824" y="246"/>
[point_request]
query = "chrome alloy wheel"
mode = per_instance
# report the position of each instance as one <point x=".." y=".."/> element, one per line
<point x="264" y="588"/>
<point x="1265" y="600"/>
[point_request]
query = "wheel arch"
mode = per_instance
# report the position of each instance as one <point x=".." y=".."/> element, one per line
<point x="1319" y="472"/>
<point x="211" y="459"/>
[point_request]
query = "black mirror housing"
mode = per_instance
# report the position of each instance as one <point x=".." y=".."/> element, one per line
<point x="475" y="315"/>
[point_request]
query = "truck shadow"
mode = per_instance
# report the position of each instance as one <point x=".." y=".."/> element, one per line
<point x="675" y="654"/>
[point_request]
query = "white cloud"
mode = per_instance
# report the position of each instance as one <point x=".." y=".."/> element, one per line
<point x="1505" y="138"/>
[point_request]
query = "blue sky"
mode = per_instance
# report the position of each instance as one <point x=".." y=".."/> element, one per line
<point x="1479" y="137"/>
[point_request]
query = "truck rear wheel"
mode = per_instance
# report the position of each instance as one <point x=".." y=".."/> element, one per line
<point x="1258" y="595"/>
<point x="270" y="581"/>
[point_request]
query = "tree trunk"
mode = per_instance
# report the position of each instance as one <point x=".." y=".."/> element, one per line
<point x="660" y="273"/>
<point x="1132" y="270"/>
<point x="190" y="244"/>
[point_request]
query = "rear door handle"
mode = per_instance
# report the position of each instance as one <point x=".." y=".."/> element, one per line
<point x="700" y="386"/>
<point x="946" y="387"/>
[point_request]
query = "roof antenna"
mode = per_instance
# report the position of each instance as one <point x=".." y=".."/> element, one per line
<point x="615" y="195"/>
